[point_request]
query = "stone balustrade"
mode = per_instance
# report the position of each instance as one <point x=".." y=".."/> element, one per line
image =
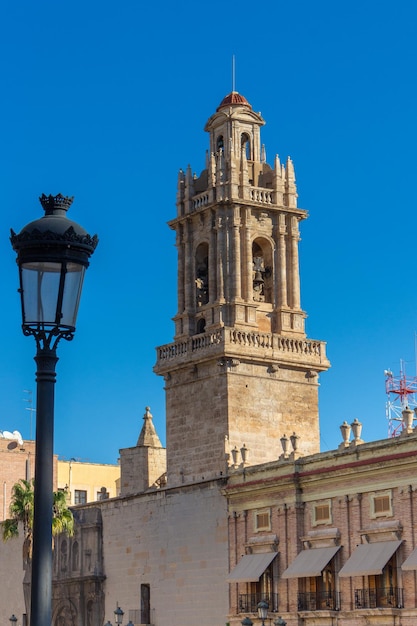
<point x="259" y="194"/>
<point x="231" y="340"/>
<point x="203" y="199"/>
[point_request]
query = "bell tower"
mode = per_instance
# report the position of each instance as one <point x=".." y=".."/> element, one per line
<point x="241" y="372"/>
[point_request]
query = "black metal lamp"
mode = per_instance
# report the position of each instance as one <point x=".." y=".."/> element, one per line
<point x="263" y="611"/>
<point x="118" y="615"/>
<point x="280" y="622"/>
<point x="52" y="254"/>
<point x="246" y="621"/>
<point x="13" y="620"/>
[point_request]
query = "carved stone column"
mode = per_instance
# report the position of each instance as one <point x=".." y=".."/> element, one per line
<point x="295" y="270"/>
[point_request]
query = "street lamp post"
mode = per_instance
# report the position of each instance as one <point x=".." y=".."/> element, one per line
<point x="52" y="254"/>
<point x="118" y="615"/>
<point x="13" y="620"/>
<point x="263" y="611"/>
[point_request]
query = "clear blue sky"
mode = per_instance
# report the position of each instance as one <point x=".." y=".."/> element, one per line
<point x="106" y="101"/>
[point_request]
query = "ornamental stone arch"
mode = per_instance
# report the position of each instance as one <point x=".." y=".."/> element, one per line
<point x="65" y="614"/>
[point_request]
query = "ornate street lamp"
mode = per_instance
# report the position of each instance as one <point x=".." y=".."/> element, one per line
<point x="118" y="615"/>
<point x="280" y="622"/>
<point x="13" y="620"/>
<point x="52" y="254"/>
<point x="263" y="611"/>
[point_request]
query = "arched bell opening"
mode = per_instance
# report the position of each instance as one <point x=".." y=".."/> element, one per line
<point x="246" y="146"/>
<point x="201" y="275"/>
<point x="201" y="326"/>
<point x="262" y="275"/>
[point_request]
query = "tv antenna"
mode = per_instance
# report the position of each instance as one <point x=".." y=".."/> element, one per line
<point x="30" y="408"/>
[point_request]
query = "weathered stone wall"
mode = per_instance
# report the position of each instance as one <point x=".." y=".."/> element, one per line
<point x="174" y="540"/>
<point x="246" y="401"/>
<point x="11" y="587"/>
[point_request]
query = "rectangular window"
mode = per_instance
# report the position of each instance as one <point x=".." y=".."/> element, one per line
<point x="80" y="496"/>
<point x="381" y="504"/>
<point x="322" y="513"/>
<point x="262" y="520"/>
<point x="145" y="604"/>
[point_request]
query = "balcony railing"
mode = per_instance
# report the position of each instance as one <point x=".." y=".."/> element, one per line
<point x="248" y="602"/>
<point x="390" y="597"/>
<point x="319" y="601"/>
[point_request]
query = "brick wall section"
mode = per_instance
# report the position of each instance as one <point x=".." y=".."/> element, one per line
<point x="16" y="462"/>
<point x="348" y="479"/>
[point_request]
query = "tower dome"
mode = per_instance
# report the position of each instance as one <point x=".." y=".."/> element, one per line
<point x="233" y="98"/>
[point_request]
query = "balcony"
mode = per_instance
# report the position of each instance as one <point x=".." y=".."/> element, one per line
<point x="388" y="598"/>
<point x="319" y="601"/>
<point x="248" y="602"/>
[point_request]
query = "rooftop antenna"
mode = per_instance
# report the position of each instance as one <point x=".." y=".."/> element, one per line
<point x="30" y="408"/>
<point x="233" y="73"/>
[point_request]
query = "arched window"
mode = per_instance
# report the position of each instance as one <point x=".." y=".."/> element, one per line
<point x="245" y="144"/>
<point x="201" y="275"/>
<point x="220" y="143"/>
<point x="201" y="326"/>
<point x="75" y="556"/>
<point x="262" y="271"/>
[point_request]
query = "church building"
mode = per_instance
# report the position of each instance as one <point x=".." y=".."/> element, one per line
<point x="242" y="512"/>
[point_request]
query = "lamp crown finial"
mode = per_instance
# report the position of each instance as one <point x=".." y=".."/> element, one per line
<point x="51" y="203"/>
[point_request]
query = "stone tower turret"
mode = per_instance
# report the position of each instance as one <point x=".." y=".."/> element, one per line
<point x="241" y="369"/>
<point x="143" y="467"/>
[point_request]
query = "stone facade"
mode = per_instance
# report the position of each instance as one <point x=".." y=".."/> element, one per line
<point x="241" y="362"/>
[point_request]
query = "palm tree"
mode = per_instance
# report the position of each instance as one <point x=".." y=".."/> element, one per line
<point x="21" y="512"/>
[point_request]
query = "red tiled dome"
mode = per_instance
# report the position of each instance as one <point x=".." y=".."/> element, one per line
<point x="233" y="98"/>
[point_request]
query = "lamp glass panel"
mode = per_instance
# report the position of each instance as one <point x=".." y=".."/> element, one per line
<point x="41" y="286"/>
<point x="40" y="289"/>
<point x="72" y="293"/>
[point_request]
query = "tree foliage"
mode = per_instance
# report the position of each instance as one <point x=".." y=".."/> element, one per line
<point x="21" y="512"/>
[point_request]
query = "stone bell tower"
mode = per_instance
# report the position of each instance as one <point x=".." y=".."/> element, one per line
<point x="241" y="372"/>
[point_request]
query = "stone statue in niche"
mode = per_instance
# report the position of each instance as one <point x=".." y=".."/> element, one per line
<point x="201" y="285"/>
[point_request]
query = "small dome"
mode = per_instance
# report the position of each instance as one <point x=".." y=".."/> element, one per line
<point x="233" y="98"/>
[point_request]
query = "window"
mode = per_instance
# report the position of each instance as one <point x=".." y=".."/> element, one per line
<point x="80" y="496"/>
<point x="262" y="520"/>
<point x="245" y="143"/>
<point x="145" y="604"/>
<point x="382" y="590"/>
<point x="319" y="592"/>
<point x="381" y="504"/>
<point x="265" y="589"/>
<point x="322" y="513"/>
